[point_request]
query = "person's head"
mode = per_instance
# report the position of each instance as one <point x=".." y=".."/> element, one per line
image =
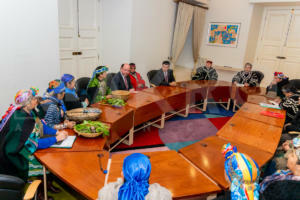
<point x="27" y="98"/>
<point x="136" y="171"/>
<point x="132" y="68"/>
<point x="101" y="72"/>
<point x="68" y="80"/>
<point x="53" y="84"/>
<point x="278" y="76"/>
<point x="125" y="69"/>
<point x="248" y="67"/>
<point x="208" y="63"/>
<point x="165" y="66"/>
<point x="289" y="90"/>
<point x="59" y="91"/>
<point x="241" y="171"/>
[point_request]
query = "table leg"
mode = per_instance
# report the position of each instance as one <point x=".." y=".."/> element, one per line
<point x="130" y="137"/>
<point x="45" y="183"/>
<point x="187" y="109"/>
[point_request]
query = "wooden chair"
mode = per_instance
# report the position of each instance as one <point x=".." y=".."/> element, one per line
<point x="11" y="188"/>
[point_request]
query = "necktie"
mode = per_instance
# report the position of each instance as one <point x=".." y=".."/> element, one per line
<point x="125" y="81"/>
<point x="166" y="76"/>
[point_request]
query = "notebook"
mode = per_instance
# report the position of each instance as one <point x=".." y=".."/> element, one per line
<point x="270" y="105"/>
<point x="67" y="143"/>
<point x="272" y="114"/>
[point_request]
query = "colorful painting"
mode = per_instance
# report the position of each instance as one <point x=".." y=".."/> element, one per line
<point x="223" y="34"/>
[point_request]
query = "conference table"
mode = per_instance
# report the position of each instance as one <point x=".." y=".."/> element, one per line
<point x="195" y="170"/>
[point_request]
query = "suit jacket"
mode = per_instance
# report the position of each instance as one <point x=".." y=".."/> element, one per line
<point x="117" y="83"/>
<point x="159" y="78"/>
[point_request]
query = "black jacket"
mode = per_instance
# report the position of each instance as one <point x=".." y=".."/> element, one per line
<point x="159" y="78"/>
<point x="117" y="83"/>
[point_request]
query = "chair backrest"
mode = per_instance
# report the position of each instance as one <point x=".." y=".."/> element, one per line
<point x="11" y="187"/>
<point x="295" y="83"/>
<point x="151" y="74"/>
<point x="282" y="190"/>
<point x="81" y="87"/>
<point x="109" y="77"/>
<point x="259" y="75"/>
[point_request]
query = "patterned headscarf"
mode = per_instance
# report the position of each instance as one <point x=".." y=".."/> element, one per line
<point x="53" y="84"/>
<point x="59" y="89"/>
<point x="22" y="98"/>
<point x="66" y="78"/>
<point x="136" y="170"/>
<point x="279" y="75"/>
<point x="94" y="81"/>
<point x="242" y="173"/>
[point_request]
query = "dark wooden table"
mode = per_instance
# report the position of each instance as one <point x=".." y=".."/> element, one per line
<point x="80" y="170"/>
<point x="207" y="155"/>
<point x="120" y="120"/>
<point x="172" y="171"/>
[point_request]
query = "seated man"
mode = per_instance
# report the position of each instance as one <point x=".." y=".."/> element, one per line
<point x="246" y="77"/>
<point x="290" y="103"/>
<point x="135" y="182"/>
<point x="121" y="81"/>
<point x="136" y="79"/>
<point x="206" y="72"/>
<point x="164" y="76"/>
<point x="274" y="89"/>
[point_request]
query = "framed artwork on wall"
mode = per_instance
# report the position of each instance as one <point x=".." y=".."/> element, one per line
<point x="223" y="34"/>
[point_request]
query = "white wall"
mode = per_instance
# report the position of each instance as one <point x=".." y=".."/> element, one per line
<point x="115" y="30"/>
<point x="29" y="46"/>
<point x="222" y="11"/>
<point x="152" y="31"/>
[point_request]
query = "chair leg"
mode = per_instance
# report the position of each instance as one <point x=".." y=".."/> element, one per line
<point x="45" y="183"/>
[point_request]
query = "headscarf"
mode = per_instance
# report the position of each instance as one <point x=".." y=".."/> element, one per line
<point x="53" y="84"/>
<point x="22" y="98"/>
<point x="94" y="82"/>
<point x="66" y="78"/>
<point x="136" y="170"/>
<point x="59" y="89"/>
<point x="242" y="173"/>
<point x="279" y="75"/>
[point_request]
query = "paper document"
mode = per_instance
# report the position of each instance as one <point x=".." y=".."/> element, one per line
<point x="270" y="106"/>
<point x="67" y="143"/>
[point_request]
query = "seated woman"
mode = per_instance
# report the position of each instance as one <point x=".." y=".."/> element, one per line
<point x="246" y="77"/>
<point x="20" y="135"/>
<point x="136" y="79"/>
<point x="242" y="173"/>
<point x="97" y="88"/>
<point x="55" y="113"/>
<point x="290" y="103"/>
<point x="206" y="72"/>
<point x="276" y="185"/>
<point x="71" y="100"/>
<point x="135" y="185"/>
<point x="275" y="87"/>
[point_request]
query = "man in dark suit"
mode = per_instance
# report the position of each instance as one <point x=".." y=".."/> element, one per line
<point x="121" y="81"/>
<point x="164" y="76"/>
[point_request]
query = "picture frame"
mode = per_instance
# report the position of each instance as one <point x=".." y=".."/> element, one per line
<point x="223" y="34"/>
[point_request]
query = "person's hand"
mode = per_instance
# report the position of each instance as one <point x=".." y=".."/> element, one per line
<point x="173" y="83"/>
<point x="131" y="90"/>
<point x="109" y="96"/>
<point x="87" y="101"/>
<point x="61" y="135"/>
<point x="292" y="161"/>
<point x="286" y="145"/>
<point x="277" y="100"/>
<point x="69" y="124"/>
<point x="246" y="84"/>
<point x="299" y="100"/>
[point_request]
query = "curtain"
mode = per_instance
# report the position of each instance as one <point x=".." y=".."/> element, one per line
<point x="198" y="25"/>
<point x="183" y="21"/>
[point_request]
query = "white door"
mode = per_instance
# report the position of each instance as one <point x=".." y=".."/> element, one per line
<point x="79" y="33"/>
<point x="291" y="49"/>
<point x="272" y="40"/>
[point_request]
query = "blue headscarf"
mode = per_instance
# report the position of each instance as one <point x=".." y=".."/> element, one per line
<point x="136" y="170"/>
<point x="59" y="89"/>
<point x="66" y="78"/>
